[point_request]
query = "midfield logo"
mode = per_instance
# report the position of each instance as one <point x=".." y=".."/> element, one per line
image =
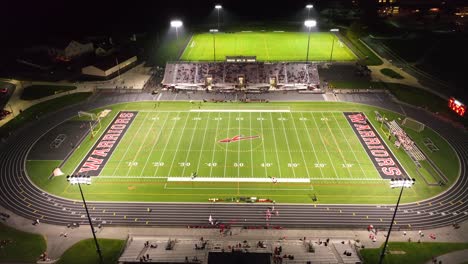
<point x="237" y="138"/>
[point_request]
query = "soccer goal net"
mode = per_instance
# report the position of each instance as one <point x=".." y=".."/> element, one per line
<point x="413" y="124"/>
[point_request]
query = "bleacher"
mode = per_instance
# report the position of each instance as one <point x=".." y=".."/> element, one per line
<point x="407" y="143"/>
<point x="299" y="250"/>
<point x="288" y="75"/>
<point x="351" y="258"/>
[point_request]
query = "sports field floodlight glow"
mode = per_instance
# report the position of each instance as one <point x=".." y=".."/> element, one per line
<point x="214" y="30"/>
<point x="334" y="30"/>
<point x="310" y="23"/>
<point x="176" y="23"/>
<point x="309" y="6"/>
<point x="333" y="41"/>
<point x="218" y="7"/>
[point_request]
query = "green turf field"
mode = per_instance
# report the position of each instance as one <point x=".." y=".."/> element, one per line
<point x="267" y="46"/>
<point x="309" y="142"/>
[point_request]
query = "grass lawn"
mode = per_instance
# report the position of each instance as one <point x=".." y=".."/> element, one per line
<point x="34" y="92"/>
<point x="267" y="46"/>
<point x="313" y="141"/>
<point x="41" y="109"/>
<point x="391" y="73"/>
<point x="85" y="252"/>
<point x="22" y="246"/>
<point x="415" y="253"/>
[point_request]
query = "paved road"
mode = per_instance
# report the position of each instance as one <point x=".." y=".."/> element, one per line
<point x="18" y="194"/>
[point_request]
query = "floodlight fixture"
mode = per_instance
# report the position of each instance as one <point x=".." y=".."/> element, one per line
<point x="214" y="30"/>
<point x="176" y="23"/>
<point x="310" y="23"/>
<point x="218" y="6"/>
<point x="309" y="6"/>
<point x="334" y="30"/>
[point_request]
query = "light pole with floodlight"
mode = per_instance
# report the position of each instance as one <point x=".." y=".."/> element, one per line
<point x="333" y="42"/>
<point x="309" y="6"/>
<point x="214" y="31"/>
<point x="218" y="7"/>
<point x="176" y="24"/>
<point x="310" y="24"/>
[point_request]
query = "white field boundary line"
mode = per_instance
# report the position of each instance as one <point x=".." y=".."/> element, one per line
<point x="349" y="144"/>
<point x="242" y="110"/>
<point x="323" y="143"/>
<point x="267" y="180"/>
<point x="231" y="179"/>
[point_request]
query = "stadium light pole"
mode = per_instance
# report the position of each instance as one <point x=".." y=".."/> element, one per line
<point x="218" y="8"/>
<point x="309" y="7"/>
<point x="213" y="32"/>
<point x="309" y="24"/>
<point x="333" y="42"/>
<point x="382" y="254"/>
<point x="176" y="24"/>
<point x="98" y="249"/>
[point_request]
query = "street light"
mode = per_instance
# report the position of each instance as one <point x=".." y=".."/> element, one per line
<point x="309" y="6"/>
<point x="218" y="7"/>
<point x="333" y="42"/>
<point x="176" y="24"/>
<point x="213" y="31"/>
<point x="310" y="24"/>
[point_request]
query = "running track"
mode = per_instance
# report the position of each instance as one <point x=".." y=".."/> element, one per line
<point x="21" y="196"/>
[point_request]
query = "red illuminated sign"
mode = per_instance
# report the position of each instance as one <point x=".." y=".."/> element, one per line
<point x="457" y="106"/>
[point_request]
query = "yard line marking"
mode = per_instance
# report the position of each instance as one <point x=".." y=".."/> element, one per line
<point x="287" y="144"/>
<point x="300" y="145"/>
<point x="167" y="143"/>
<point x="266" y="48"/>
<point x="251" y="145"/>
<point x="238" y="145"/>
<point x="227" y="145"/>
<point x="349" y="144"/>
<point x="178" y="144"/>
<point x="190" y="146"/>
<point x="128" y="147"/>
<point x="312" y="144"/>
<point x="276" y="147"/>
<point x="141" y="145"/>
<point x="338" y="147"/>
<point x="203" y="143"/>
<point x="214" y="145"/>
<point x="321" y="140"/>
<point x="154" y="144"/>
<point x="263" y="144"/>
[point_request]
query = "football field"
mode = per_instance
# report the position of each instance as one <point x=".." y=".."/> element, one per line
<point x="267" y="46"/>
<point x="260" y="145"/>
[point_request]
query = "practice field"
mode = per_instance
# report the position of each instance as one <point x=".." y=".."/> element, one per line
<point x="289" y="152"/>
<point x="267" y="46"/>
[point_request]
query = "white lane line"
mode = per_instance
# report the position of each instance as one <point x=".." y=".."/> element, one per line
<point x="154" y="145"/>
<point x="178" y="144"/>
<point x="300" y="145"/>
<point x="323" y="142"/>
<point x="167" y="143"/>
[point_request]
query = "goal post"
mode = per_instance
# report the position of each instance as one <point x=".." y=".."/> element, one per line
<point x="413" y="124"/>
<point x="93" y="120"/>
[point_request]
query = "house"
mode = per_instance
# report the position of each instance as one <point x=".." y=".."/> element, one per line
<point x="68" y="50"/>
